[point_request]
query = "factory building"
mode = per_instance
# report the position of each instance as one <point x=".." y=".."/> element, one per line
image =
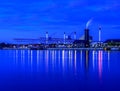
<point x="84" y="42"/>
<point x="113" y="42"/>
<point x="87" y="38"/>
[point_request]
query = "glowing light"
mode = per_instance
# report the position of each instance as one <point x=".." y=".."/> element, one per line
<point x="38" y="53"/>
<point x="108" y="59"/>
<point x="31" y="57"/>
<point x="71" y="58"/>
<point x="86" y="55"/>
<point x="41" y="53"/>
<point x="59" y="56"/>
<point x="75" y="58"/>
<point x="22" y="56"/>
<point x="93" y="59"/>
<point x="81" y="57"/>
<point x="47" y="57"/>
<point x="100" y="58"/>
<point x="75" y="63"/>
<point x="28" y="56"/>
<point x="63" y="58"/>
<point x="53" y="57"/>
<point x="38" y="59"/>
<point x="16" y="56"/>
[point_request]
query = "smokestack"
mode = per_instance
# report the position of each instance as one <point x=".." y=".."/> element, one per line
<point x="74" y="35"/>
<point x="46" y="37"/>
<point x="87" y="38"/>
<point x="99" y="33"/>
<point x="64" y="37"/>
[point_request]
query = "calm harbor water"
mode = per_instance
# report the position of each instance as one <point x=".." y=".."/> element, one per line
<point x="59" y="70"/>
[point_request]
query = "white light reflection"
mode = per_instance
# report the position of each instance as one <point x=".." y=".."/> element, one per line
<point x="23" y="56"/>
<point x="31" y="60"/>
<point x="53" y="58"/>
<point x="31" y="57"/>
<point x="81" y="56"/>
<point x="47" y="59"/>
<point x="100" y="58"/>
<point x="16" y="56"/>
<point x="93" y="59"/>
<point x="109" y="60"/>
<point x="75" y="61"/>
<point x="69" y="56"/>
<point x="38" y="58"/>
<point x="41" y="55"/>
<point x="63" y="59"/>
<point x="59" y="57"/>
<point x="75" y="56"/>
<point x="28" y="56"/>
<point x="55" y="55"/>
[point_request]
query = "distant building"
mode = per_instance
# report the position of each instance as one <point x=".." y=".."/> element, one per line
<point x="79" y="43"/>
<point x="113" y="42"/>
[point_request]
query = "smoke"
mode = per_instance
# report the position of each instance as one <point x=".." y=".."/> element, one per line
<point x="88" y="23"/>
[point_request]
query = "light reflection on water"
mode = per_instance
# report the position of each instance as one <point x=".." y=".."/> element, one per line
<point x="64" y="59"/>
<point x="100" y="59"/>
<point x="77" y="66"/>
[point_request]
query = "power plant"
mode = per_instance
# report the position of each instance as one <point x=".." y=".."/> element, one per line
<point x="68" y="40"/>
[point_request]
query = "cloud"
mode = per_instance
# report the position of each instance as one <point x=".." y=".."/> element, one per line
<point x="76" y="3"/>
<point x="115" y="27"/>
<point x="105" y="7"/>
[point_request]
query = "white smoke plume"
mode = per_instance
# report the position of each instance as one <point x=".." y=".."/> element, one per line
<point x="88" y="23"/>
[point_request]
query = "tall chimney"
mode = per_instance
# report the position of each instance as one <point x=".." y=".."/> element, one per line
<point x="46" y="37"/>
<point x="99" y="33"/>
<point x="74" y="35"/>
<point x="64" y="37"/>
<point x="87" y="38"/>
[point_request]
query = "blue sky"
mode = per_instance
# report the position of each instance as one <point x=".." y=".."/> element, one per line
<point x="31" y="19"/>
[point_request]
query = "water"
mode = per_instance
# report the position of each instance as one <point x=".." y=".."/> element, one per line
<point x="59" y="70"/>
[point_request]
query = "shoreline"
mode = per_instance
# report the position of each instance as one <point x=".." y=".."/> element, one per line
<point x="112" y="49"/>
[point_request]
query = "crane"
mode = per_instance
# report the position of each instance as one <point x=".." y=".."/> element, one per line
<point x="52" y="35"/>
<point x="69" y="36"/>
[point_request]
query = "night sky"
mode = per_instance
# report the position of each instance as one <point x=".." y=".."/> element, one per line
<point x="32" y="18"/>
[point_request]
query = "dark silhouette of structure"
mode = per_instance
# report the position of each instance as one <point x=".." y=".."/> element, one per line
<point x="87" y="44"/>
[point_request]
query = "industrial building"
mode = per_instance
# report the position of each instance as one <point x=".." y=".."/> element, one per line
<point x="66" y="41"/>
<point x="113" y="42"/>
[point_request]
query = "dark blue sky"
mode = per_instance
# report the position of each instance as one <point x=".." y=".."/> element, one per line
<point x="31" y="19"/>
